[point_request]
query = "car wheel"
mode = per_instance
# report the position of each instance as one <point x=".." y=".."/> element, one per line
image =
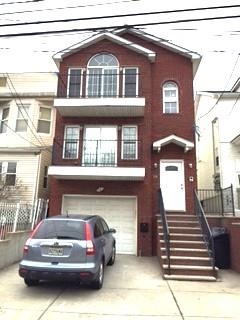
<point x="31" y="282"/>
<point x="97" y="284"/>
<point x="113" y="257"/>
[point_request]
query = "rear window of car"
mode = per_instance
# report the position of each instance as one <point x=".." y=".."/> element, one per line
<point x="61" y="229"/>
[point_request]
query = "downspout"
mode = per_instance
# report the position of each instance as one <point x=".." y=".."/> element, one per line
<point x="36" y="187"/>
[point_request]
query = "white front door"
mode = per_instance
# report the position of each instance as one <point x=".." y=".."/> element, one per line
<point x="172" y="184"/>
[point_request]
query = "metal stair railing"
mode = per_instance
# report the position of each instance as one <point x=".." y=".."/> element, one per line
<point x="207" y="234"/>
<point x="166" y="233"/>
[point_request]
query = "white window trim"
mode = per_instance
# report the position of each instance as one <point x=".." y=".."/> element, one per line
<point x="137" y="80"/>
<point x="110" y="138"/>
<point x="65" y="130"/>
<point x="2" y="121"/>
<point x="81" y="80"/>
<point x="4" y="172"/>
<point x="175" y="99"/>
<point x="136" y="139"/>
<point x="24" y="116"/>
<point x="102" y="67"/>
<point x="51" y="119"/>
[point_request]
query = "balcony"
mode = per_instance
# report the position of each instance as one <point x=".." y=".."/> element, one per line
<point x="97" y="160"/>
<point x="101" y="95"/>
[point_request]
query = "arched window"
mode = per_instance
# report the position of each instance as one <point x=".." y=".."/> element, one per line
<point x="102" y="75"/>
<point x="170" y="97"/>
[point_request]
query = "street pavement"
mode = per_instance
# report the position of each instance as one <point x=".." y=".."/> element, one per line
<point x="133" y="289"/>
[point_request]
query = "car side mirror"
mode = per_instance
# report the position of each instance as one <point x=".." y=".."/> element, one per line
<point x="111" y="230"/>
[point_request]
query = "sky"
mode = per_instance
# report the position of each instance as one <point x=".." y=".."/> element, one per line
<point x="217" y="41"/>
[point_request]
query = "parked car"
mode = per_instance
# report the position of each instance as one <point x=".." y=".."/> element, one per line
<point x="72" y="247"/>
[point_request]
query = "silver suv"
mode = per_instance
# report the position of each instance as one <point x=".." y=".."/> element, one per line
<point x="74" y="247"/>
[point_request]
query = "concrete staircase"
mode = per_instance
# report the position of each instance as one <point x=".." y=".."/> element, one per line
<point x="189" y="257"/>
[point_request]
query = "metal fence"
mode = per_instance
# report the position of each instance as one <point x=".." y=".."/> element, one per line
<point x="217" y="202"/>
<point x="21" y="217"/>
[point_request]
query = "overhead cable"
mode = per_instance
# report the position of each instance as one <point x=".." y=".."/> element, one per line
<point x="116" y="16"/>
<point x="34" y="33"/>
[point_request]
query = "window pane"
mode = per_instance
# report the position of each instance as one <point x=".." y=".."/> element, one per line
<point x="129" y="148"/>
<point x="21" y="125"/>
<point x="110" y="83"/>
<point x="103" y="60"/>
<point x="130" y="85"/>
<point x="94" y="82"/>
<point x="71" y="143"/>
<point x="45" y="113"/>
<point x="22" y="122"/>
<point x="43" y="126"/>
<point x="5" y="113"/>
<point x="23" y="111"/>
<point x="170" y="107"/>
<point x="74" y="83"/>
<point x="11" y="167"/>
<point x="170" y="97"/>
<point x="70" y="151"/>
<point x="10" y="180"/>
<point x="4" y="122"/>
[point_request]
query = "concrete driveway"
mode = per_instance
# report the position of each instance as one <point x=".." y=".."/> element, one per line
<point x="133" y="289"/>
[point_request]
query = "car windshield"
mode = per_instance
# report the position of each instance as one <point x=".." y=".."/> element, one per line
<point x="61" y="229"/>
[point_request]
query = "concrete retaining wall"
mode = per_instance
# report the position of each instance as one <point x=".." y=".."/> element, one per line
<point x="12" y="247"/>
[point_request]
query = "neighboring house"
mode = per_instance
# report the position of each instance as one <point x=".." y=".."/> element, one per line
<point x="27" y="124"/>
<point x="218" y="147"/>
<point x="125" y="128"/>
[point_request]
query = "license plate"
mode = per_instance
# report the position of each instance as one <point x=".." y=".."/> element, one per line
<point x="54" y="251"/>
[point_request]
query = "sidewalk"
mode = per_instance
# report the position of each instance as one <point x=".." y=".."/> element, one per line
<point x="133" y="290"/>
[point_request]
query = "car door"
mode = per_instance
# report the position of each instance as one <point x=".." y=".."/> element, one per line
<point x="108" y="239"/>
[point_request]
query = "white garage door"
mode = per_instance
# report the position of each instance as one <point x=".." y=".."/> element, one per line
<point x="119" y="212"/>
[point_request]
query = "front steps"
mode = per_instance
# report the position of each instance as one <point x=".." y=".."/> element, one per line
<point x="189" y="257"/>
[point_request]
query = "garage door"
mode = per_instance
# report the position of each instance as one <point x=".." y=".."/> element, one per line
<point x="119" y="212"/>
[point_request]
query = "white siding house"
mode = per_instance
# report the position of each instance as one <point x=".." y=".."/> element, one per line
<point x="218" y="145"/>
<point x="27" y="124"/>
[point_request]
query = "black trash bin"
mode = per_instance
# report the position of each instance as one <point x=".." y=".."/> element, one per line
<point x="222" y="247"/>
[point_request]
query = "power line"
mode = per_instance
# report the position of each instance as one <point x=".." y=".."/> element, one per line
<point x="117" y="16"/>
<point x="116" y="26"/>
<point x="222" y="93"/>
<point x="19" y="2"/>
<point x="64" y="8"/>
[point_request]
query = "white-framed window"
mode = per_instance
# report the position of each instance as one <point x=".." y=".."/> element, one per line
<point x="129" y="143"/>
<point x="4" y="120"/>
<point x="130" y="82"/>
<point x="44" y="121"/>
<point x="102" y="76"/>
<point x="8" y="173"/>
<point x="22" y="118"/>
<point x="71" y="142"/>
<point x="100" y="146"/>
<point x="170" y="97"/>
<point x="75" y="82"/>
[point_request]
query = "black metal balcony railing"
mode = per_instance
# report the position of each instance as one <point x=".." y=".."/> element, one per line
<point x="103" y="85"/>
<point x="217" y="202"/>
<point x="96" y="152"/>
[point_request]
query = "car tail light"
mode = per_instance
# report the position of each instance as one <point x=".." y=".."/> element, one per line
<point x="90" y="248"/>
<point x="25" y="249"/>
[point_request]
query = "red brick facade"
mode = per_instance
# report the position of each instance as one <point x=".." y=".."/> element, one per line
<point x="153" y="126"/>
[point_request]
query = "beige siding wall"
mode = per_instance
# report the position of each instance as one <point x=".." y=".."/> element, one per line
<point x="18" y="83"/>
<point x="30" y="138"/>
<point x="26" y="174"/>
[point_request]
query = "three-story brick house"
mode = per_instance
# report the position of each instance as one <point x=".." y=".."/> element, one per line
<point x="124" y="128"/>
